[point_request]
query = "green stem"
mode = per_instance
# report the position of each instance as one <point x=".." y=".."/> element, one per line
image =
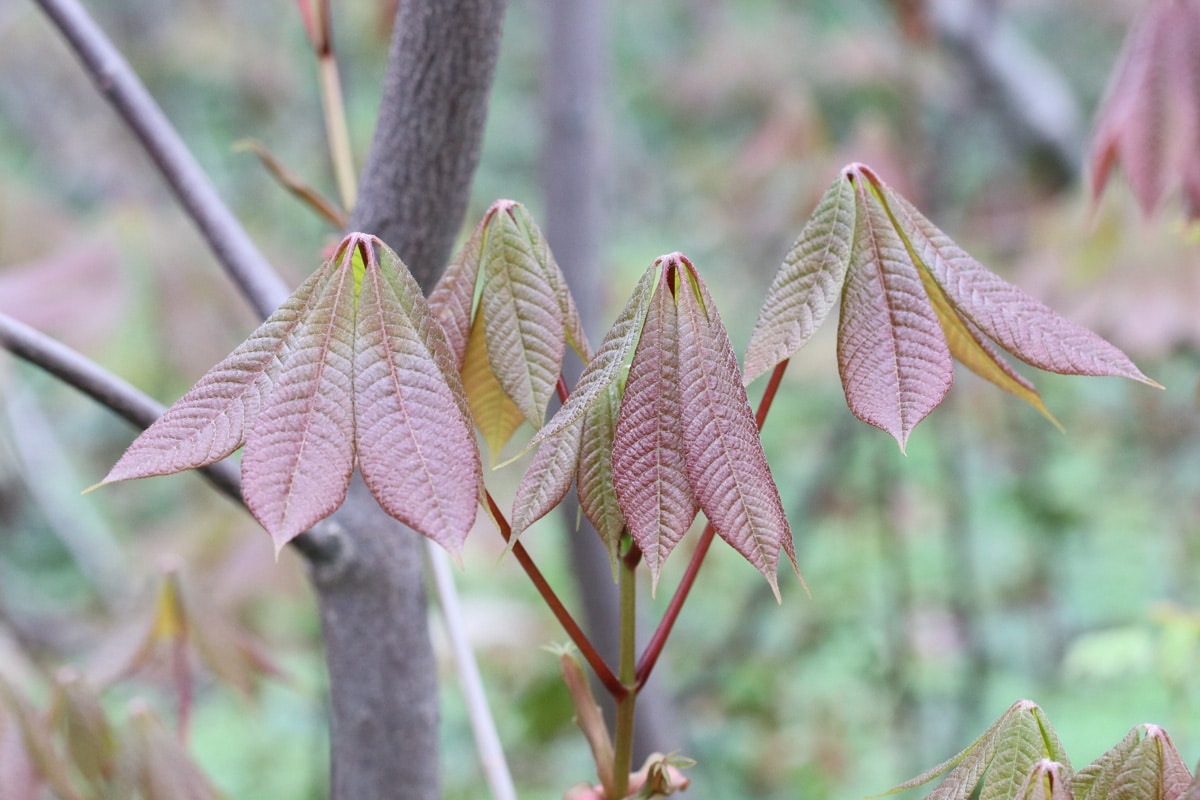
<point x="627" y="674"/>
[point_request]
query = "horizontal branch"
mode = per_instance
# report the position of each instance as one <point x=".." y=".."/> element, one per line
<point x="125" y="400"/>
<point x="116" y="80"/>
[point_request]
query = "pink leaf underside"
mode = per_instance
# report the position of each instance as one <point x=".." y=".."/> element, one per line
<point x="892" y="354"/>
<point x="606" y="366"/>
<point x="429" y="330"/>
<point x="522" y="316"/>
<point x="648" y="452"/>
<point x="453" y="295"/>
<point x="597" y="498"/>
<point x="726" y="465"/>
<point x="416" y="447"/>
<point x="548" y="478"/>
<point x="209" y="422"/>
<point x="1021" y="325"/>
<point x="808" y="283"/>
<point x="1149" y="119"/>
<point x="300" y="453"/>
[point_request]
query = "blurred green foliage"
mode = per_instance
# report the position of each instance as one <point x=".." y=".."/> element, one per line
<point x="998" y="560"/>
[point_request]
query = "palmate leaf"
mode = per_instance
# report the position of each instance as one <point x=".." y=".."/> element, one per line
<point x="910" y="300"/>
<point x="595" y="478"/>
<point x="1142" y="766"/>
<point x="1018" y="323"/>
<point x="892" y="355"/>
<point x="505" y="289"/>
<point x="556" y="463"/>
<point x="683" y="437"/>
<point x="648" y="453"/>
<point x="522" y="315"/>
<point x="353" y="369"/>
<point x="549" y="477"/>
<point x="210" y="421"/>
<point x="808" y="285"/>
<point x="995" y="766"/>
<point x="726" y="466"/>
<point x="300" y="451"/>
<point x="1149" y="120"/>
<point x="414" y="434"/>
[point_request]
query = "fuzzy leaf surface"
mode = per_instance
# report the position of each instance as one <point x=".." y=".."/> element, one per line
<point x="726" y="466"/>
<point x="1142" y="766"/>
<point x="597" y="497"/>
<point x="892" y="355"/>
<point x="977" y="353"/>
<point x="576" y="338"/>
<point x="453" y="297"/>
<point x="522" y="313"/>
<point x="808" y="284"/>
<point x="300" y="453"/>
<point x="1012" y="746"/>
<point x="609" y="361"/>
<point x="210" y="421"/>
<point x="648" y="453"/>
<point x="1021" y="325"/>
<point x="549" y="477"/>
<point x="415" y="441"/>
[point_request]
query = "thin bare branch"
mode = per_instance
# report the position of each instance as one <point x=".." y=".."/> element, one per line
<point x="126" y="401"/>
<point x="487" y="740"/>
<point x="114" y="79"/>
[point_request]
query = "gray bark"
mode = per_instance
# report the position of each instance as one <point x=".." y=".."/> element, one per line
<point x="413" y="195"/>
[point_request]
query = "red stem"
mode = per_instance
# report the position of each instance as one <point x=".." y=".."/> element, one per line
<point x="659" y="639"/>
<point x="586" y="648"/>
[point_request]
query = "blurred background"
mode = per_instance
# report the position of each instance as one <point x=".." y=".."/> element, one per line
<point x="999" y="559"/>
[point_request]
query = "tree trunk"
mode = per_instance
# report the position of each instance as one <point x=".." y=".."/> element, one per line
<point x="413" y="195"/>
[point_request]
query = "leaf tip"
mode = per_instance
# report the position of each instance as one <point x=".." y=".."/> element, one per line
<point x="773" y="580"/>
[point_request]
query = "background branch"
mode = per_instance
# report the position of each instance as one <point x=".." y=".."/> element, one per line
<point x="114" y="79"/>
<point x="129" y="403"/>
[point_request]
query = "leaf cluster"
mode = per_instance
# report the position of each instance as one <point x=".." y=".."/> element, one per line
<point x="910" y="301"/>
<point x="1020" y="758"/>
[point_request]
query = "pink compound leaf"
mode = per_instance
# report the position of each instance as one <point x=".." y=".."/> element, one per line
<point x="892" y="354"/>
<point x="648" y="454"/>
<point x="414" y="437"/>
<point x="726" y="466"/>
<point x="210" y="422"/>
<point x="300" y="452"/>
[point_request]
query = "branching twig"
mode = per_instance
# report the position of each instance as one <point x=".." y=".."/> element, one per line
<point x="126" y="401"/>
<point x="114" y="79"/>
